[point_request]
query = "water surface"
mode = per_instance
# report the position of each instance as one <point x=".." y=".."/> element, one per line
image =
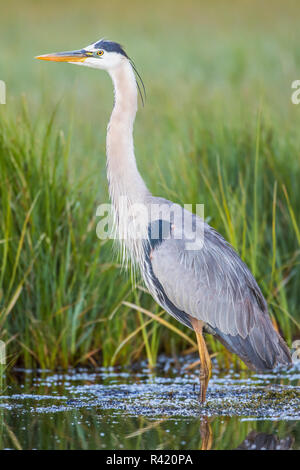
<point x="139" y="409"/>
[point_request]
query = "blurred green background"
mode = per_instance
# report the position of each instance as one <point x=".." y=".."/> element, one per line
<point x="218" y="128"/>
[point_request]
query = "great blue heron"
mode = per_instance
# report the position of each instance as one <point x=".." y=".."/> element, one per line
<point x="207" y="286"/>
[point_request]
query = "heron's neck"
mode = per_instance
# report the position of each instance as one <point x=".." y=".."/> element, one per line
<point x="123" y="176"/>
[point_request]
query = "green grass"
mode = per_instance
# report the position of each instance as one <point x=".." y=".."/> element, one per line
<point x="218" y="128"/>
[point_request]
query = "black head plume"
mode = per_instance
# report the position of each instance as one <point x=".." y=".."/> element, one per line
<point x="111" y="46"/>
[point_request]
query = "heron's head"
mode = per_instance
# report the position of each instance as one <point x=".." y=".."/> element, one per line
<point x="102" y="54"/>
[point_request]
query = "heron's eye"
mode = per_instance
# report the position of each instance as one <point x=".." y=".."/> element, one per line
<point x="100" y="52"/>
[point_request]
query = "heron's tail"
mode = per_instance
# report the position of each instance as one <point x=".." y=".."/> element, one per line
<point x="262" y="349"/>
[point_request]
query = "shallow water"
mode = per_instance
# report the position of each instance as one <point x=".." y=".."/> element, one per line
<point x="139" y="409"/>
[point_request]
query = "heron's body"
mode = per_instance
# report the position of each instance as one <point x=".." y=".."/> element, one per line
<point x="208" y="287"/>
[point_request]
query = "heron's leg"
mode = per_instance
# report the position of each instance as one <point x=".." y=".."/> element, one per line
<point x="205" y="362"/>
<point x="206" y="434"/>
<point x="205" y="368"/>
<point x="208" y="361"/>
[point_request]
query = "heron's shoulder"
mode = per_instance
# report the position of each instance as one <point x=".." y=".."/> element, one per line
<point x="158" y="201"/>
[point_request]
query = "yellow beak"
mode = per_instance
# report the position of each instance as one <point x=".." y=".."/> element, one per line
<point x="70" y="56"/>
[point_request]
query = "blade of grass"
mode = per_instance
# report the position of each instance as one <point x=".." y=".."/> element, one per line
<point x="162" y="321"/>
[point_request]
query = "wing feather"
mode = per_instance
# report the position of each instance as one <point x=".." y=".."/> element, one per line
<point x="213" y="284"/>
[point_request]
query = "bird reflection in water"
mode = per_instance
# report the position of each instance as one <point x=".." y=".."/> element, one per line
<point x="263" y="441"/>
<point x="254" y="440"/>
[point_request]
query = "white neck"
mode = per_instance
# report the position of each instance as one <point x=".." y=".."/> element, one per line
<point x="123" y="176"/>
<point x="126" y="186"/>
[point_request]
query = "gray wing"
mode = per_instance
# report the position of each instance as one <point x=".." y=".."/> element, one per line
<point x="212" y="284"/>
